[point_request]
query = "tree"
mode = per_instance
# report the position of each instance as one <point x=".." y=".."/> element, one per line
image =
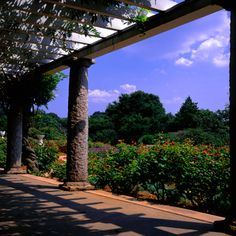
<point x="101" y="128"/>
<point x="187" y="115"/>
<point x="18" y="95"/>
<point x="137" y="114"/>
<point x="209" y="121"/>
<point x="72" y="21"/>
<point x="223" y="115"/>
<point x="24" y="62"/>
<point x="48" y="124"/>
<point x="3" y="120"/>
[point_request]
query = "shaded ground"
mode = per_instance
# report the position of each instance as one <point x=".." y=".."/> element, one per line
<point x="34" y="207"/>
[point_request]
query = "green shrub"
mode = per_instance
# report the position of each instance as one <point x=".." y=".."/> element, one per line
<point x="147" y="139"/>
<point x="33" y="132"/>
<point x="175" y="172"/>
<point x="96" y="144"/>
<point x="58" y="170"/>
<point x="52" y="133"/>
<point x="199" y="136"/>
<point x="45" y="156"/>
<point x="116" y="168"/>
<point x="3" y="152"/>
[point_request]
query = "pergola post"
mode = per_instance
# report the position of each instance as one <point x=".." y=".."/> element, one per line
<point x="232" y="116"/>
<point x="14" y="139"/>
<point x="77" y="137"/>
<point x="229" y="224"/>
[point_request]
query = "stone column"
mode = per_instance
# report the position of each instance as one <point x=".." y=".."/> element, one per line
<point x="14" y="139"/>
<point x="77" y="137"/>
<point x="229" y="224"/>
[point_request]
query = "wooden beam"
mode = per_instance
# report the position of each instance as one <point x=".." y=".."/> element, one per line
<point x="34" y="46"/>
<point x="121" y="13"/>
<point x="46" y="41"/>
<point x="83" y="39"/>
<point x="35" y="53"/>
<point x="39" y="42"/>
<point x="45" y="25"/>
<point x="61" y="14"/>
<point x="176" y="16"/>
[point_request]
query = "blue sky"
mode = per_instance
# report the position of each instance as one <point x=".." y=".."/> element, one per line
<point x="191" y="60"/>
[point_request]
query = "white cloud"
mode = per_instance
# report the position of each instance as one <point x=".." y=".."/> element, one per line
<point x="128" y="88"/>
<point x="221" y="60"/>
<point x="98" y="95"/>
<point x="106" y="96"/>
<point x="210" y="46"/>
<point x="213" y="50"/>
<point x="102" y="93"/>
<point x="183" y="61"/>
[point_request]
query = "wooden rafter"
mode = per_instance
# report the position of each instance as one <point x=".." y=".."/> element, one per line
<point x="40" y="27"/>
<point x="62" y="14"/>
<point x="118" y="13"/>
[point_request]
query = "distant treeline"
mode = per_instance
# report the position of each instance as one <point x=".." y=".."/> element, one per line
<point x="140" y="118"/>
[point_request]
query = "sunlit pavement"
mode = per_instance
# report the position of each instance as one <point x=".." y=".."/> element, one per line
<point x="35" y="206"/>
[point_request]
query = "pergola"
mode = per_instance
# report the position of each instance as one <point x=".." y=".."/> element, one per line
<point x="47" y="36"/>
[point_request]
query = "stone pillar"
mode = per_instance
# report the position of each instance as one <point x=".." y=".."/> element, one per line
<point x="14" y="140"/>
<point x="229" y="224"/>
<point x="77" y="137"/>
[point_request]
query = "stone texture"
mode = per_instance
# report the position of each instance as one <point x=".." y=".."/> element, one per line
<point x="14" y="137"/>
<point x="76" y="186"/>
<point x="77" y="139"/>
<point x="17" y="170"/>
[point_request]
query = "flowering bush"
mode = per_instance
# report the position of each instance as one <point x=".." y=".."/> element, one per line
<point x="182" y="174"/>
<point x="178" y="173"/>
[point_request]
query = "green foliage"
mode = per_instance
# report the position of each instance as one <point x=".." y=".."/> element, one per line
<point x="46" y="155"/>
<point x="101" y="128"/>
<point x="136" y="114"/>
<point x="200" y="136"/>
<point x="58" y="170"/>
<point x="141" y="18"/>
<point x="118" y="169"/>
<point x="209" y="121"/>
<point x="147" y="139"/>
<point x="177" y="173"/>
<point x="44" y="88"/>
<point x="223" y="116"/>
<point x="3" y="152"/>
<point x="3" y="120"/>
<point x="187" y="115"/>
<point x="28" y="91"/>
<point x="140" y="117"/>
<point x="49" y="124"/>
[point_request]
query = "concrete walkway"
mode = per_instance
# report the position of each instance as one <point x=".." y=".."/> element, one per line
<point x="32" y="205"/>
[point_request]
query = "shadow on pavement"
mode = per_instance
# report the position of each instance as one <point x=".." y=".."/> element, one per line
<point x="39" y="209"/>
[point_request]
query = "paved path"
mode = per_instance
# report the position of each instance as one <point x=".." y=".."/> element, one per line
<point x="35" y="206"/>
